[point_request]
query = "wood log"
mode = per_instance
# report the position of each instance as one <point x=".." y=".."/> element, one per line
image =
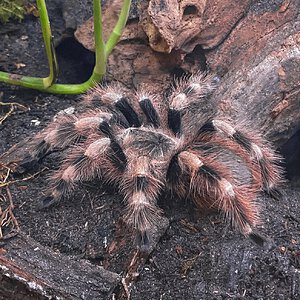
<point x="260" y="61"/>
<point x="29" y="270"/>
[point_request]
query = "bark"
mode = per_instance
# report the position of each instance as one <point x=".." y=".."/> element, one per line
<point x="260" y="61"/>
<point x="30" y="271"/>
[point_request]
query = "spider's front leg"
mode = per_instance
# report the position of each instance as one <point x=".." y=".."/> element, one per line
<point x="108" y="105"/>
<point x="66" y="131"/>
<point x="189" y="103"/>
<point x="98" y="157"/>
<point x="141" y="186"/>
<point x="210" y="184"/>
<point x="116" y="100"/>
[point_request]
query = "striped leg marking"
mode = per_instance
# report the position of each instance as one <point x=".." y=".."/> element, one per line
<point x="207" y="182"/>
<point x="141" y="189"/>
<point x="267" y="161"/>
<point x="80" y="165"/>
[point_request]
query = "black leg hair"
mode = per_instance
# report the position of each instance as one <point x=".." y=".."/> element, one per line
<point x="113" y="98"/>
<point x="117" y="156"/>
<point x="174" y="171"/>
<point x="31" y="160"/>
<point x="150" y="111"/>
<point x="174" y="120"/>
<point x="126" y="109"/>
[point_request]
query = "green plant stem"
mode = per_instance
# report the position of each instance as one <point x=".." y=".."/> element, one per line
<point x="48" y="42"/>
<point x="35" y="82"/>
<point x="119" y="27"/>
<point x="102" y="52"/>
<point x="100" y="67"/>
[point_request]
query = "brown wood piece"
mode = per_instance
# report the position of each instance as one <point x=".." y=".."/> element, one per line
<point x="29" y="270"/>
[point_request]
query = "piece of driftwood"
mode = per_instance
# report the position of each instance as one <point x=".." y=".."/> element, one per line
<point x="29" y="270"/>
<point x="260" y="61"/>
<point x="252" y="46"/>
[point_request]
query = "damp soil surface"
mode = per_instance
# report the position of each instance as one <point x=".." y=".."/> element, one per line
<point x="196" y="257"/>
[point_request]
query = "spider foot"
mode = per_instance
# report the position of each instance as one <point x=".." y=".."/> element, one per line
<point x="257" y="238"/>
<point x="275" y="194"/>
<point x="261" y="240"/>
<point x="143" y="241"/>
<point x="47" y="202"/>
<point x="28" y="163"/>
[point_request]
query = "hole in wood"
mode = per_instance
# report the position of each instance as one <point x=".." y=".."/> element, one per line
<point x="190" y="10"/>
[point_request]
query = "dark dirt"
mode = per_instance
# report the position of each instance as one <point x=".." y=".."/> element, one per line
<point x="198" y="257"/>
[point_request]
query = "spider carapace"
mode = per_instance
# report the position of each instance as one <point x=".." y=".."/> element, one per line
<point x="146" y="144"/>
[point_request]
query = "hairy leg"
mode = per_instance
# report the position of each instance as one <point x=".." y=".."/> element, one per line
<point x="96" y="158"/>
<point x="211" y="185"/>
<point x="258" y="150"/>
<point x="141" y="186"/>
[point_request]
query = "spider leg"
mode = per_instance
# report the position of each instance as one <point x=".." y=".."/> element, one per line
<point x="265" y="157"/>
<point x="114" y="99"/>
<point x="99" y="157"/>
<point x="189" y="98"/>
<point x="210" y="184"/>
<point x="106" y="105"/>
<point x="66" y="131"/>
<point x="211" y="144"/>
<point x="141" y="187"/>
<point x="150" y="106"/>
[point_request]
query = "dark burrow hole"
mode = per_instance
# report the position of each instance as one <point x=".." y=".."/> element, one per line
<point x="190" y="10"/>
<point x="197" y="56"/>
<point x="75" y="62"/>
<point x="291" y="153"/>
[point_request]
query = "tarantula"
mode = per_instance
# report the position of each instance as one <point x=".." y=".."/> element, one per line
<point x="145" y="144"/>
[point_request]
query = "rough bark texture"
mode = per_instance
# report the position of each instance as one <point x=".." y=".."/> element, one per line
<point x="171" y="24"/>
<point x="260" y="61"/>
<point x="31" y="271"/>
